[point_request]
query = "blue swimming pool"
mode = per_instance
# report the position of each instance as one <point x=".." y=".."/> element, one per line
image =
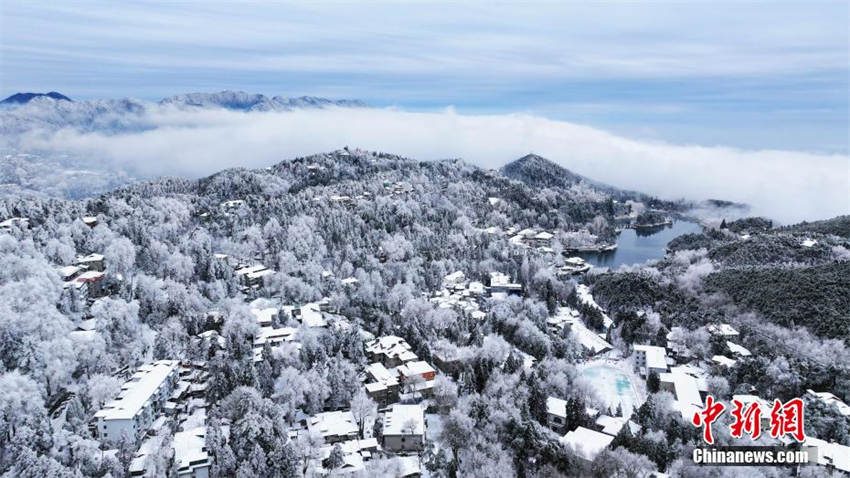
<point x="613" y="387"/>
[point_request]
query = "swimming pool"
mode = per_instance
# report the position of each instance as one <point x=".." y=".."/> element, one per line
<point x="613" y="386"/>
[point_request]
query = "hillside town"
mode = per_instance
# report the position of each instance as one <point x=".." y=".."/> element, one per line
<point x="363" y="326"/>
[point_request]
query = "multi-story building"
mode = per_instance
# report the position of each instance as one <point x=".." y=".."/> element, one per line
<point x="140" y="401"/>
<point x="404" y="428"/>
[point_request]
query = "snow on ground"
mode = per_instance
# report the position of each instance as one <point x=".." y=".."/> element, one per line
<point x="615" y="383"/>
<point x="584" y="295"/>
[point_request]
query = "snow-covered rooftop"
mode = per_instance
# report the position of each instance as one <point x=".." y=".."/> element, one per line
<point x="337" y="423"/>
<point x="137" y="391"/>
<point x="556" y="406"/>
<point x="830" y="453"/>
<point x="404" y="420"/>
<point x="311" y="316"/>
<point x="391" y="346"/>
<point x="412" y="368"/>
<point x="587" y="443"/>
<point x="738" y="349"/>
<point x="189" y="447"/>
<point x="723" y="360"/>
<point x="722" y="329"/>
<point x="656" y="357"/>
<point x="275" y="335"/>
<point x="686" y="390"/>
<point x="266" y="315"/>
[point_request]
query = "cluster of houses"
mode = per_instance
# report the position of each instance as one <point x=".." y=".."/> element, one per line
<point x="531" y="237"/>
<point x="395" y="371"/>
<point x="569" y="319"/>
<point x="403" y="435"/>
<point x="84" y="277"/>
<point x="461" y="294"/>
<point x="251" y="275"/>
<point x="686" y="380"/>
<point x="156" y="395"/>
<point x="278" y="324"/>
<point x="465" y="296"/>
<point x="586" y="442"/>
<point x="398" y="382"/>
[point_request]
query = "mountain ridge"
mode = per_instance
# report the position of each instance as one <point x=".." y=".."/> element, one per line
<point x="127" y="114"/>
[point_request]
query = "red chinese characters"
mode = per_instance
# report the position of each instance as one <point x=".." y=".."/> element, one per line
<point x="787" y="419"/>
<point x="705" y="418"/>
<point x="746" y="420"/>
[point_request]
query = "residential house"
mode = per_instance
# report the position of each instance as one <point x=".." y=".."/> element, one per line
<point x="685" y="388"/>
<point x="390" y="350"/>
<point x="417" y="376"/>
<point x="191" y="459"/>
<point x="382" y="385"/>
<point x="94" y="283"/>
<point x="830" y="455"/>
<point x="501" y="285"/>
<point x="404" y="428"/>
<point x="92" y="262"/>
<point x="334" y="426"/>
<point x="587" y="443"/>
<point x="723" y="329"/>
<point x="556" y="414"/>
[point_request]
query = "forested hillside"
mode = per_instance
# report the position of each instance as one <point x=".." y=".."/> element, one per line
<point x="274" y="290"/>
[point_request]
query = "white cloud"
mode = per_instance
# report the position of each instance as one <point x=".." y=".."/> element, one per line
<point x="788" y="186"/>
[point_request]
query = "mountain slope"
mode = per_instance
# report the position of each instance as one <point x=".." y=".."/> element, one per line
<point x="537" y="171"/>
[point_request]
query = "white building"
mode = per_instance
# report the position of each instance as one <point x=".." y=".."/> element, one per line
<point x="587" y="443"/>
<point x="685" y="388"/>
<point x="738" y="350"/>
<point x="311" y="315"/>
<point x="501" y="285"/>
<point x="404" y="428"/>
<point x="190" y="455"/>
<point x="265" y="316"/>
<point x="831" y="400"/>
<point x="334" y="426"/>
<point x="556" y="414"/>
<point x="141" y="399"/>
<point x="833" y="456"/>
<point x="723" y="361"/>
<point x="723" y="329"/>
<point x="649" y="358"/>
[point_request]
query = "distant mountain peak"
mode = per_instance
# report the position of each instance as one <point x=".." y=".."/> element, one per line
<point x="242" y="101"/>
<point x="538" y="171"/>
<point x="21" y="98"/>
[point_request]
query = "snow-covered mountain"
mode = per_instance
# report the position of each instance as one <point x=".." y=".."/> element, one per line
<point x="47" y="113"/>
<point x="21" y="98"/>
<point x="242" y="101"/>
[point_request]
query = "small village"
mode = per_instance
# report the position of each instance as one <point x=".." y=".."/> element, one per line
<point x="400" y="418"/>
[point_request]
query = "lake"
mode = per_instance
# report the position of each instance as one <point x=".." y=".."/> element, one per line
<point x="636" y="246"/>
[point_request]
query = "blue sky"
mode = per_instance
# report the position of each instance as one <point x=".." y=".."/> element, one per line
<point x="750" y="75"/>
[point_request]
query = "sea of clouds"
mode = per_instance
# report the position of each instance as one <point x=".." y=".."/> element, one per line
<point x="785" y="185"/>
